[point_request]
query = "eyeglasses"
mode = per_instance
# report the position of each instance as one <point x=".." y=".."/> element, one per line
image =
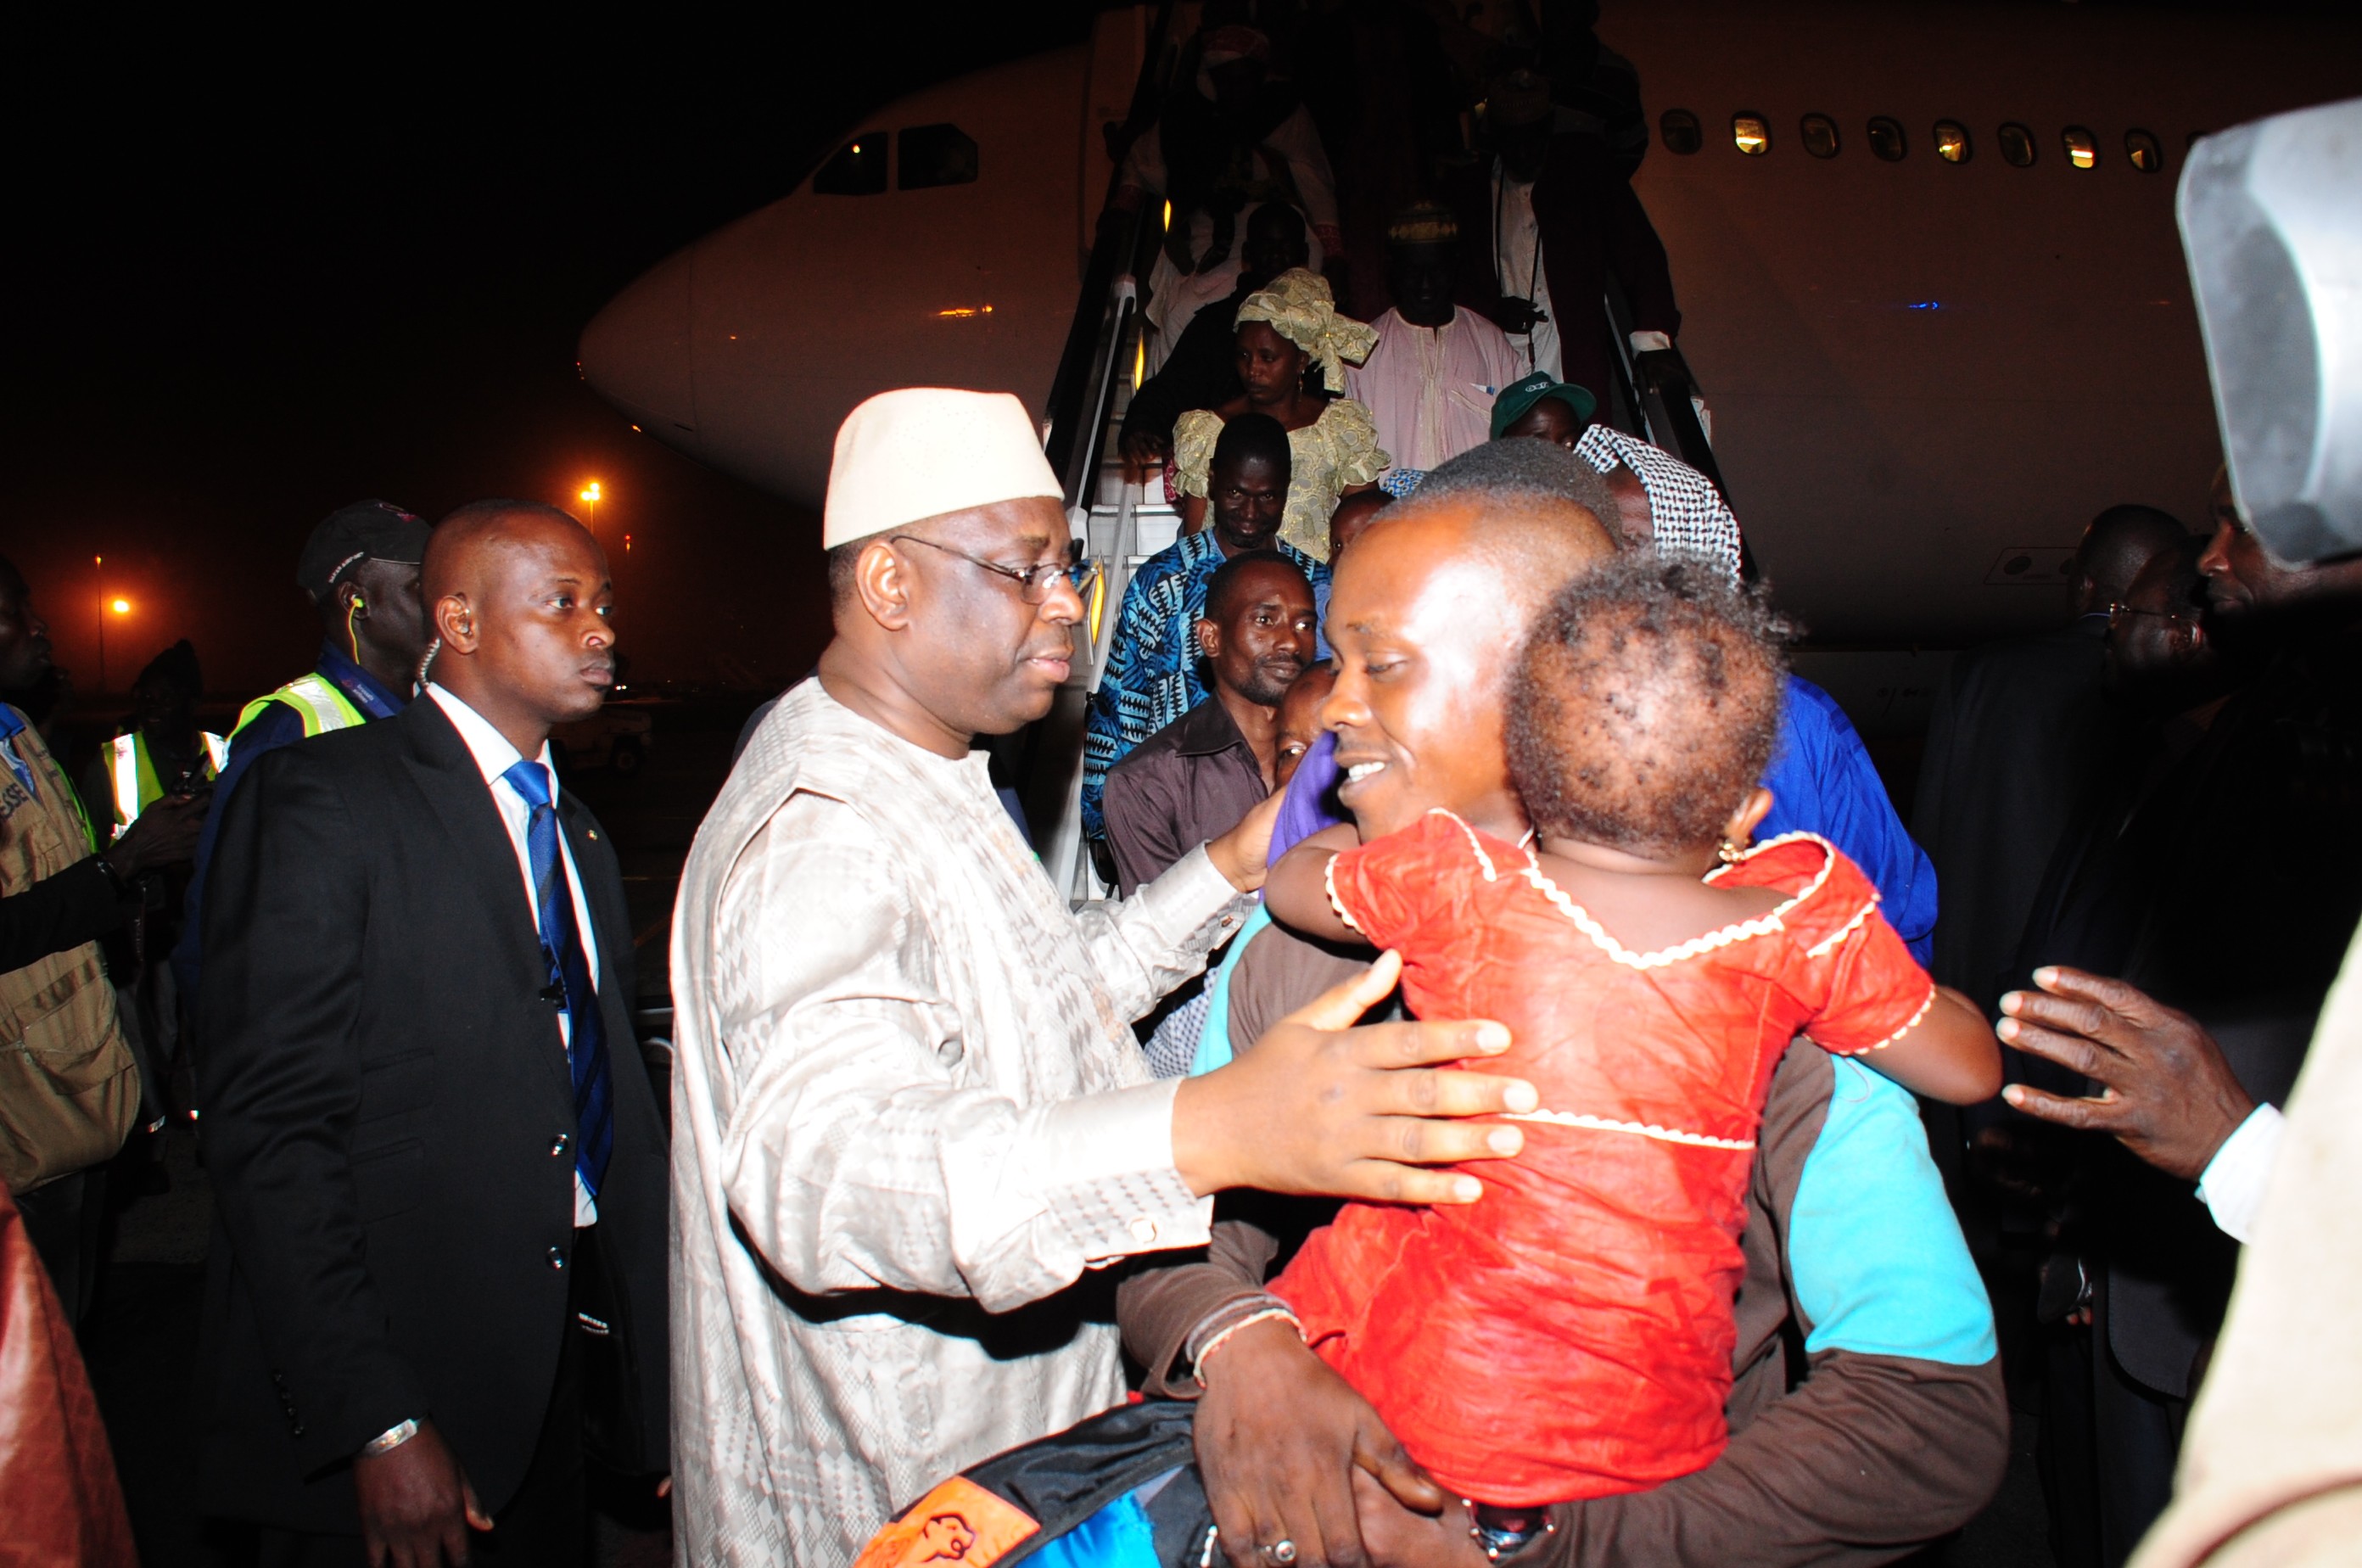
<point x="1032" y="582"/>
<point x="2186" y="620"/>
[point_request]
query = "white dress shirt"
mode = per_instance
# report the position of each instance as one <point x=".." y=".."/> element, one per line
<point x="494" y="757"/>
<point x="909" y="1114"/>
<point x="1518" y="264"/>
<point x="2233" y="1184"/>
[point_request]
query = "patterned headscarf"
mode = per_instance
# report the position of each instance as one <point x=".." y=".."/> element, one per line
<point x="1300" y="308"/>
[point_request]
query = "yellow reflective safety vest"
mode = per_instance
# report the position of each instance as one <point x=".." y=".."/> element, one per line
<point x="317" y="701"/>
<point x="132" y="773"/>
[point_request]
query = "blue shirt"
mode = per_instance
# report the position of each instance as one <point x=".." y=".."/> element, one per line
<point x="1823" y="781"/>
<point x="1151" y="678"/>
<point x="278" y="724"/>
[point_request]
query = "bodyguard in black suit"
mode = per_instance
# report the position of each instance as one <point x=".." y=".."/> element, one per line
<point x="416" y="1087"/>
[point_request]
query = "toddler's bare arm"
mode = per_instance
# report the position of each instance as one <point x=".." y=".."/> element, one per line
<point x="1297" y="889"/>
<point x="1951" y="1055"/>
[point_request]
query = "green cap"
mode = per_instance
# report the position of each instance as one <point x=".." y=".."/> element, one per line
<point x="1517" y="398"/>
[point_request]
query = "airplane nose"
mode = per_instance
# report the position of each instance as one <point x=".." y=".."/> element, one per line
<point x="636" y="352"/>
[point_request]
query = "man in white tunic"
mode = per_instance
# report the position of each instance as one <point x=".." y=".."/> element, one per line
<point x="910" y="1114"/>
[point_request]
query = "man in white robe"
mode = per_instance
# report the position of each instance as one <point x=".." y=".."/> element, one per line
<point x="910" y="1115"/>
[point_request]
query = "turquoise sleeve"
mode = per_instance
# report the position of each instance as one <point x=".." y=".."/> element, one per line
<point x="1879" y="1263"/>
<point x="1214" y="1043"/>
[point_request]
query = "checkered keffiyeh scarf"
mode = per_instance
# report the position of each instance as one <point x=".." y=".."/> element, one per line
<point x="1689" y="514"/>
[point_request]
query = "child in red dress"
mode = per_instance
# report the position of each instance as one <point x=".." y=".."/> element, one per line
<point x="1570" y="1335"/>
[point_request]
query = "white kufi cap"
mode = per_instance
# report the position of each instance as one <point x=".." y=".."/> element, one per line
<point x="923" y="451"/>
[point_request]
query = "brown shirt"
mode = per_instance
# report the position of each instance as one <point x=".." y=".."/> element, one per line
<point x="1188" y="784"/>
<point x="1865" y="1459"/>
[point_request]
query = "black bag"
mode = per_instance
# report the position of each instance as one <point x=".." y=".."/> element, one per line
<point x="1120" y="1490"/>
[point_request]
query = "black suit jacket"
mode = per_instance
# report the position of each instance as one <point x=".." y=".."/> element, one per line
<point x="384" y="1093"/>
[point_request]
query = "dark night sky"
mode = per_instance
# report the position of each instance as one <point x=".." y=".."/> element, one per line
<point x="253" y="274"/>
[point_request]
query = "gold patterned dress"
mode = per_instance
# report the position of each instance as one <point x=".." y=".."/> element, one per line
<point x="1327" y="457"/>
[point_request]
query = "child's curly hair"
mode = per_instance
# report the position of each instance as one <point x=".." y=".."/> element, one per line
<point x="1645" y="704"/>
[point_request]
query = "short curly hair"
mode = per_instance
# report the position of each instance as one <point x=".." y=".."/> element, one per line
<point x="1645" y="704"/>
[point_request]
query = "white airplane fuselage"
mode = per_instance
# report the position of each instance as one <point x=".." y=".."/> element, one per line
<point x="1922" y="373"/>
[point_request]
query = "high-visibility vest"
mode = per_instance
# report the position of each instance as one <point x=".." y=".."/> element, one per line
<point x="317" y="701"/>
<point x="133" y="774"/>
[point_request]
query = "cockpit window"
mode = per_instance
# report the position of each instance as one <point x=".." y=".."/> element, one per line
<point x="2083" y="147"/>
<point x="1819" y="135"/>
<point x="1952" y="144"/>
<point x="857" y="170"/>
<point x="2142" y="151"/>
<point x="2016" y="145"/>
<point x="1887" y="143"/>
<point x="1681" y="131"/>
<point x="937" y="155"/>
<point x="1751" y="134"/>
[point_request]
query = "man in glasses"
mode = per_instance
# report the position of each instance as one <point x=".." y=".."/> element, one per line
<point x="1152" y="675"/>
<point x="909" y="1116"/>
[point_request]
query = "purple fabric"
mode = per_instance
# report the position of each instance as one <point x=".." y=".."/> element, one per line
<point x="1311" y="803"/>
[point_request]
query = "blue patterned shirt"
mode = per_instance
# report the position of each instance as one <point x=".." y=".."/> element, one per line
<point x="1150" y="678"/>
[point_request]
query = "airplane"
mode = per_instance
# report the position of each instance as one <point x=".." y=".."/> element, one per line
<point x="1930" y="281"/>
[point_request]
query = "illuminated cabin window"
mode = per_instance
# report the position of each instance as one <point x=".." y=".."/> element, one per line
<point x="937" y="155"/>
<point x="1819" y="135"/>
<point x="1886" y="140"/>
<point x="2016" y="145"/>
<point x="2142" y="151"/>
<point x="1751" y="134"/>
<point x="857" y="170"/>
<point x="2082" y="149"/>
<point x="1952" y="144"/>
<point x="1679" y="128"/>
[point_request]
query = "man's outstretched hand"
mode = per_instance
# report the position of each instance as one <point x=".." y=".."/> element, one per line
<point x="1280" y="1440"/>
<point x="1321" y="1109"/>
<point x="2166" y="1091"/>
<point x="416" y="1507"/>
<point x="164" y="835"/>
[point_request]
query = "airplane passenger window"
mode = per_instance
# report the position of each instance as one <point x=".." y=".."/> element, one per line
<point x="1751" y="134"/>
<point x="857" y="170"/>
<point x="2016" y="145"/>
<point x="1820" y="135"/>
<point x="2083" y="147"/>
<point x="1886" y="141"/>
<point x="1681" y="131"/>
<point x="2142" y="151"/>
<point x="937" y="155"/>
<point x="1953" y="142"/>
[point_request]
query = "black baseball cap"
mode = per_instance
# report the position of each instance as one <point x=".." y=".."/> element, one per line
<point x="367" y="530"/>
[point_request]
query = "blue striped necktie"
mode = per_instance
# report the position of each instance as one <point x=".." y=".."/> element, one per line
<point x="561" y="949"/>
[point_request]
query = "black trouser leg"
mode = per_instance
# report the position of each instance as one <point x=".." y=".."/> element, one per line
<point x="65" y="1219"/>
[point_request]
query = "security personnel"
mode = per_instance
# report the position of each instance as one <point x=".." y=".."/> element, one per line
<point x="359" y="569"/>
<point x="69" y="1087"/>
<point x="163" y="747"/>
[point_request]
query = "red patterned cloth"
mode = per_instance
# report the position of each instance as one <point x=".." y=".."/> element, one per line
<point x="61" y="1505"/>
<point x="1570" y="1335"/>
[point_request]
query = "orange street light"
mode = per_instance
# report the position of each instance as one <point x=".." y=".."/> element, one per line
<point x="591" y="495"/>
<point x="121" y="607"/>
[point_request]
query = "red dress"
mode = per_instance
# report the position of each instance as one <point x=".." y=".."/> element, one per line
<point x="1570" y="1335"/>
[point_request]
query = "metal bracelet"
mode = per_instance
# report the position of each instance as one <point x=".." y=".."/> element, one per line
<point x="389" y="1439"/>
<point x="1507" y="1539"/>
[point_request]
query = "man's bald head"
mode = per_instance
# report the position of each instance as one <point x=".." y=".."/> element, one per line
<point x="2117" y="546"/>
<point x="1428" y="612"/>
<point x="463" y="543"/>
<point x="520" y="600"/>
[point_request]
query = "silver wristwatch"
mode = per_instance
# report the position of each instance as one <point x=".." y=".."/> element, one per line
<point x="389" y="1439"/>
